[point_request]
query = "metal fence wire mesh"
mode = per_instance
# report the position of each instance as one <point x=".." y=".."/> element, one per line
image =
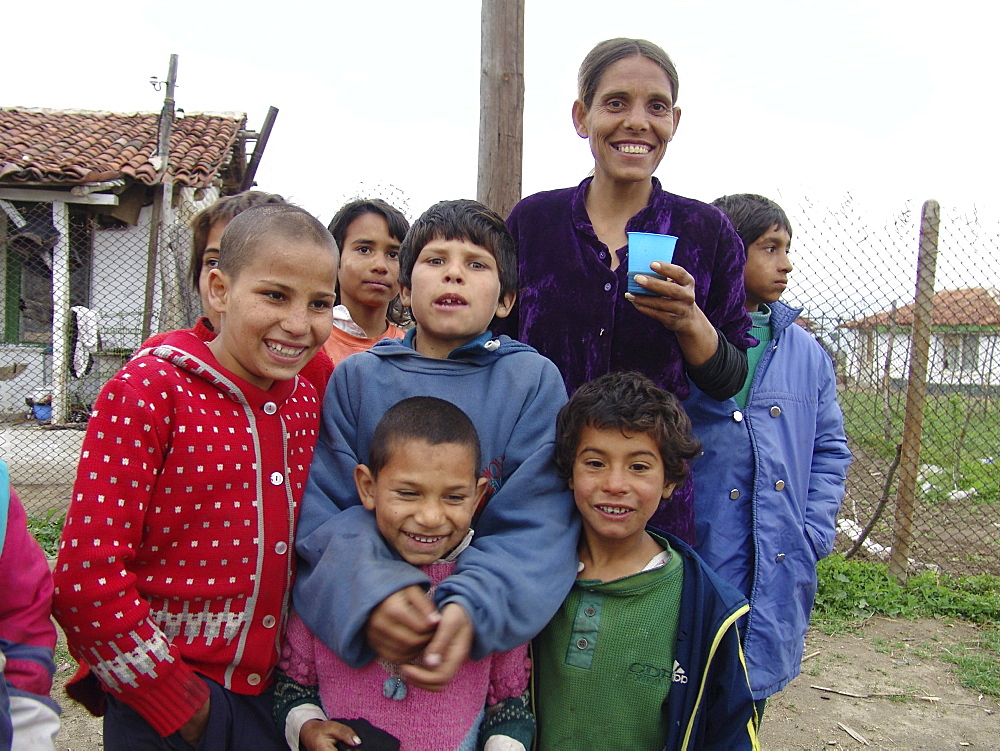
<point x="924" y="481"/>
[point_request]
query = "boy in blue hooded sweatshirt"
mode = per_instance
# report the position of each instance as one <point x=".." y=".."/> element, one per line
<point x="458" y="272"/>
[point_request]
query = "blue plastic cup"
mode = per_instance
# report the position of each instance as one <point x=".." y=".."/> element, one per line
<point x="643" y="249"/>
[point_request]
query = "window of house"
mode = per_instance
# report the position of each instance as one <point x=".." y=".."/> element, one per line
<point x="960" y="352"/>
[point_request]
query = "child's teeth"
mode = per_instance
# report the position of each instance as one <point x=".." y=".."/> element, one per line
<point x="286" y="351"/>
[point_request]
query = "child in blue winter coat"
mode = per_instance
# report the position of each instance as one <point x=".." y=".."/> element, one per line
<point x="458" y="272"/>
<point x="771" y="478"/>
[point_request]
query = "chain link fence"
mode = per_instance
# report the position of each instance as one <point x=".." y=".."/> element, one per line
<point x="924" y="481"/>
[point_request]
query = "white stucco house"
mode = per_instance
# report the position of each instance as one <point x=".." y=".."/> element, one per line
<point x="94" y="243"/>
<point x="965" y="343"/>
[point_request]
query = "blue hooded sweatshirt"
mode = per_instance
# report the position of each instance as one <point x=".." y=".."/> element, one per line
<point x="522" y="561"/>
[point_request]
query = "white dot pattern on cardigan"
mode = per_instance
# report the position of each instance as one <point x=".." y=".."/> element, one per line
<point x="170" y="552"/>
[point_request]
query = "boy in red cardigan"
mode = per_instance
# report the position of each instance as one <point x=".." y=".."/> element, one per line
<point x="176" y="560"/>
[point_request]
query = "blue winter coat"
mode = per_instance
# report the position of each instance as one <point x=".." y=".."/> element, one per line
<point x="768" y="486"/>
<point x="522" y="560"/>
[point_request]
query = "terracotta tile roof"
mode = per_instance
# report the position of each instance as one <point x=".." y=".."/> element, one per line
<point x="973" y="306"/>
<point x="68" y="147"/>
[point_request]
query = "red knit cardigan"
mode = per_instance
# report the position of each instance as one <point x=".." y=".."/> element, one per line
<point x="177" y="553"/>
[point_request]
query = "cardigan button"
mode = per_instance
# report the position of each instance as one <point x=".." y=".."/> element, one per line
<point x="281" y="548"/>
<point x="734" y="494"/>
<point x="779" y="485"/>
<point x="737" y="415"/>
<point x="581" y="643"/>
<point x="277" y="478"/>
<point x="270" y="408"/>
<point x="253" y="679"/>
<point x="775" y="411"/>
<point x="269" y="621"/>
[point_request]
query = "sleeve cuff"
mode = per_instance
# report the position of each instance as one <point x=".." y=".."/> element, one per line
<point x="297" y="717"/>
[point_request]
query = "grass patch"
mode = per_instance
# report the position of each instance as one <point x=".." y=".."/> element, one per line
<point x="851" y="591"/>
<point x="978" y="663"/>
<point x="47" y="528"/>
<point x="959" y="437"/>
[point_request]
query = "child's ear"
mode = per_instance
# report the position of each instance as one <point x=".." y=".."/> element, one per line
<point x="218" y="289"/>
<point x="668" y="489"/>
<point x="505" y="304"/>
<point x="405" y="296"/>
<point x="365" y="484"/>
<point x="481" y="485"/>
<point x="580" y="119"/>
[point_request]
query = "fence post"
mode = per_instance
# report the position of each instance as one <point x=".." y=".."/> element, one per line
<point x="916" y="389"/>
<point x="60" y="314"/>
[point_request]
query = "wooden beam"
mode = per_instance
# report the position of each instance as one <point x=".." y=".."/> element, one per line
<point x="51" y="196"/>
<point x="501" y="104"/>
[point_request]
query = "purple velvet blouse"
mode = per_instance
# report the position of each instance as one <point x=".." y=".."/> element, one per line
<point x="571" y="306"/>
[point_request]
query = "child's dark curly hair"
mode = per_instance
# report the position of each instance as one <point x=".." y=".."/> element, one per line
<point x="631" y="403"/>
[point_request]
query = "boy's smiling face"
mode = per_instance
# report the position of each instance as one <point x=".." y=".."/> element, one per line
<point x="423" y="498"/>
<point x="454" y="293"/>
<point x="617" y="482"/>
<point x="275" y="313"/>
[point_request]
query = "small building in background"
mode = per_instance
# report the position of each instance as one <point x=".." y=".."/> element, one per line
<point x="964" y="352"/>
<point x="94" y="239"/>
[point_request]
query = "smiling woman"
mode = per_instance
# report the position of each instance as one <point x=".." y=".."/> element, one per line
<point x="692" y="324"/>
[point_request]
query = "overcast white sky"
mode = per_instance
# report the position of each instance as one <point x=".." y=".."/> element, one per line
<point x="891" y="99"/>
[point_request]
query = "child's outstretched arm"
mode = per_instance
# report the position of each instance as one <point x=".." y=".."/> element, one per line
<point x="522" y="561"/>
<point x="828" y="473"/>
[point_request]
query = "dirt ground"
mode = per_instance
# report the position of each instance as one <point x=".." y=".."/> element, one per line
<point x="885" y="657"/>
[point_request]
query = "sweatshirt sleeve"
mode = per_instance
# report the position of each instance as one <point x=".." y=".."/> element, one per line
<point x="342" y="557"/>
<point x="522" y="561"/>
<point x="96" y="601"/>
<point x="27" y="634"/>
<point x="828" y="472"/>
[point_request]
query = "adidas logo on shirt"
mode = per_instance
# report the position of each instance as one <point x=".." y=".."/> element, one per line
<point x="678" y="676"/>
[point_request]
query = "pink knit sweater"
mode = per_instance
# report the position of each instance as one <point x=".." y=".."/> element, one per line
<point x="423" y="719"/>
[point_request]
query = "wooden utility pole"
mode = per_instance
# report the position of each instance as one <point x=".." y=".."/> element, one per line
<point x="162" y="197"/>
<point x="916" y="390"/>
<point x="501" y="104"/>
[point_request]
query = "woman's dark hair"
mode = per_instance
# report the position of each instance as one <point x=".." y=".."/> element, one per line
<point x="609" y="52"/>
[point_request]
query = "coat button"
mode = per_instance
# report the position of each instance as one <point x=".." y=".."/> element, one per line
<point x="779" y="557"/>
<point x="590" y="612"/>
<point x="581" y="643"/>
<point x="734" y="494"/>
<point x="269" y="621"/>
<point x="775" y="411"/>
<point x="779" y="485"/>
<point x="270" y="408"/>
<point x="277" y="478"/>
<point x="253" y="679"/>
<point x="737" y="416"/>
<point x="281" y="548"/>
